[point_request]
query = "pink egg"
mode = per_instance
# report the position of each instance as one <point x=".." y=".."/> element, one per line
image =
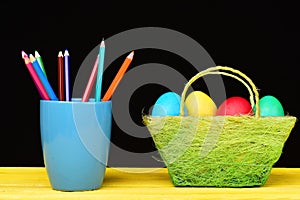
<point x="235" y="106"/>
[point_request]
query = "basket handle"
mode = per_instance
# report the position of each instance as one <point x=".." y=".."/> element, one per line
<point x="215" y="70"/>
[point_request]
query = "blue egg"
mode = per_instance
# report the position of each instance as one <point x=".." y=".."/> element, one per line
<point x="168" y="104"/>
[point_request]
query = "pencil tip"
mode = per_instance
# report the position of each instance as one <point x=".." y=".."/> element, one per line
<point x="66" y="53"/>
<point x="130" y="56"/>
<point x="60" y="54"/>
<point x="24" y="54"/>
<point x="32" y="58"/>
<point x="102" y="44"/>
<point x="36" y="54"/>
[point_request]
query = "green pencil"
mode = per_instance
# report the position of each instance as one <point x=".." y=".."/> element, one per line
<point x="40" y="61"/>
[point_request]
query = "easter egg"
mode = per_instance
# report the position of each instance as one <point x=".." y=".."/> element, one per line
<point x="270" y="106"/>
<point x="200" y="104"/>
<point x="168" y="104"/>
<point x="235" y="106"/>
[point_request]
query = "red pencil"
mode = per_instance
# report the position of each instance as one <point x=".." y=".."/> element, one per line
<point x="43" y="93"/>
<point x="91" y="81"/>
<point x="61" y="90"/>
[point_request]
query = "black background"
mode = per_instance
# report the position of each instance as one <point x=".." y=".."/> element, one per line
<point x="261" y="39"/>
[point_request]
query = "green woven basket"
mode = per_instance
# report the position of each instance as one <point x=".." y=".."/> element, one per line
<point x="220" y="151"/>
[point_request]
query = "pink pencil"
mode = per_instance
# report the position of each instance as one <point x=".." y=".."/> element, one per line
<point x="35" y="78"/>
<point x="91" y="81"/>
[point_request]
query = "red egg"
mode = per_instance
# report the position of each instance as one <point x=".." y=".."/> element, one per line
<point x="235" y="106"/>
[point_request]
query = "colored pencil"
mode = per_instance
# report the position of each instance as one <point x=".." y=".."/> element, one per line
<point x="35" y="78"/>
<point x="42" y="77"/>
<point x="118" y="77"/>
<point x="100" y="71"/>
<point x="40" y="61"/>
<point x="91" y="81"/>
<point x="67" y="74"/>
<point x="61" y="84"/>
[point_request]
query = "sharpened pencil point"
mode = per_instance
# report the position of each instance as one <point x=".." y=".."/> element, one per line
<point x="24" y="55"/>
<point x="102" y="44"/>
<point x="130" y="56"/>
<point x="66" y="53"/>
<point x="36" y="54"/>
<point x="32" y="58"/>
<point x="60" y="54"/>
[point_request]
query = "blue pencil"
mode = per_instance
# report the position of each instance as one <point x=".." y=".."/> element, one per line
<point x="42" y="77"/>
<point x="100" y="71"/>
<point x="67" y="75"/>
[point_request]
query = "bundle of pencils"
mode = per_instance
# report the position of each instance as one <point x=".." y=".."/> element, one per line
<point x="37" y="71"/>
<point x="39" y="77"/>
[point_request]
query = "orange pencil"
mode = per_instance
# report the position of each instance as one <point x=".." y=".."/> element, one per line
<point x="118" y="77"/>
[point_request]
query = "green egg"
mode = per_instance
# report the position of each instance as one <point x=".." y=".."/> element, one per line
<point x="270" y="106"/>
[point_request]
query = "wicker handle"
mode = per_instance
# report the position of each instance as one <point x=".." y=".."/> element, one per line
<point x="215" y="70"/>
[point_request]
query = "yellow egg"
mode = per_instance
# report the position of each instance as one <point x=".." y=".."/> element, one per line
<point x="200" y="104"/>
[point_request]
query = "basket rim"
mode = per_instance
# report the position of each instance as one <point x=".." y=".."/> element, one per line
<point x="220" y="116"/>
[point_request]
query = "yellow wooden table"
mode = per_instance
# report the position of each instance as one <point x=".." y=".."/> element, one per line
<point x="142" y="183"/>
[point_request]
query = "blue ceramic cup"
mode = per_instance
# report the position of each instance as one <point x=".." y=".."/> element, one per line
<point x="75" y="139"/>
